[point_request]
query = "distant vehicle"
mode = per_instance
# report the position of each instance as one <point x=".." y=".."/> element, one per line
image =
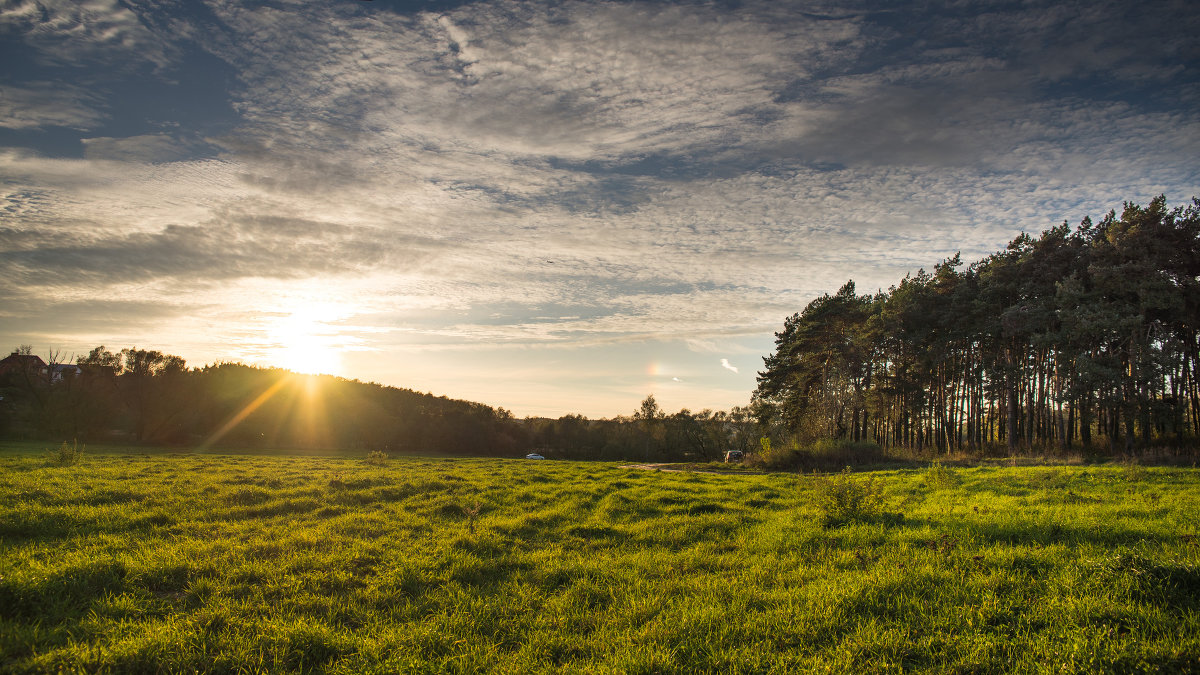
<point x="534" y="455"/>
<point x="733" y="456"/>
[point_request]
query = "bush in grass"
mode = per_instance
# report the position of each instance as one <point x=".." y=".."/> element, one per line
<point x="776" y="457"/>
<point x="67" y="454"/>
<point x="844" y="497"/>
<point x="376" y="457"/>
<point x="941" y="477"/>
<point x="847" y="452"/>
<point x="823" y="455"/>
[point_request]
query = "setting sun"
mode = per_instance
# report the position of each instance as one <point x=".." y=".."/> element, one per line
<point x="306" y="342"/>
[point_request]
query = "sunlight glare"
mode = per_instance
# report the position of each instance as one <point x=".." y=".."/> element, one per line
<point x="306" y="342"/>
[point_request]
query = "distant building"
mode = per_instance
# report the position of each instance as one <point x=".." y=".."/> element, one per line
<point x="22" y="363"/>
<point x="59" y="371"/>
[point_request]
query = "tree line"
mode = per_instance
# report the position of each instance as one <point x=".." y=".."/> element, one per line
<point x="142" y="396"/>
<point x="149" y="397"/>
<point x="650" y="434"/>
<point x="1080" y="338"/>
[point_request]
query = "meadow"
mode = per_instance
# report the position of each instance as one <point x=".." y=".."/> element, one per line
<point x="129" y="562"/>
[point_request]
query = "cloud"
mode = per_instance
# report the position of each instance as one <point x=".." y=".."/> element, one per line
<point x="36" y="105"/>
<point x="73" y="33"/>
<point x="240" y="246"/>
<point x="588" y="81"/>
<point x="144" y="148"/>
<point x="728" y="366"/>
<point x="98" y="319"/>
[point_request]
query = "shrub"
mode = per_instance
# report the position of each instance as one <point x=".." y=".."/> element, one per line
<point x="777" y="457"/>
<point x="844" y="497"/>
<point x="376" y="457"/>
<point x="940" y="477"/>
<point x="823" y="455"/>
<point x="827" y="447"/>
<point x="830" y="453"/>
<point x="67" y="454"/>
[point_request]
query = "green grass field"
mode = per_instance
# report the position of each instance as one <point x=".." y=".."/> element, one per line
<point x="184" y="563"/>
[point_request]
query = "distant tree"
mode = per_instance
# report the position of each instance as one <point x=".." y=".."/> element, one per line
<point x="91" y="398"/>
<point x="150" y="384"/>
<point x="649" y="410"/>
<point x="100" y="359"/>
<point x="649" y="417"/>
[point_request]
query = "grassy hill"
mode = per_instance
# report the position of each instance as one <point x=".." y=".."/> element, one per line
<point x="180" y="562"/>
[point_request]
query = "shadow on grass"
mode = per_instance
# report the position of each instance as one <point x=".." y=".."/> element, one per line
<point x="1174" y="584"/>
<point x="1047" y="534"/>
<point x="69" y="593"/>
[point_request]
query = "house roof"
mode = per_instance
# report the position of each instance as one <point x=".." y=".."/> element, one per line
<point x="17" y="361"/>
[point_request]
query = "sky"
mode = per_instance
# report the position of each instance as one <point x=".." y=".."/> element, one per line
<point x="553" y="207"/>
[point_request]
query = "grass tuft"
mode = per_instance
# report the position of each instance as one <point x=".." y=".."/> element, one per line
<point x="941" y="477"/>
<point x="67" y="454"/>
<point x="844" y="498"/>
<point x="1133" y="472"/>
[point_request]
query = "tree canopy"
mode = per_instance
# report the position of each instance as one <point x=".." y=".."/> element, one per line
<point x="1058" y="340"/>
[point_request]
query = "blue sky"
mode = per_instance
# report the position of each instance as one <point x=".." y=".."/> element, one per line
<point x="553" y="207"/>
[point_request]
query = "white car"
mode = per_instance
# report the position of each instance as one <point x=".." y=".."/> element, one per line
<point x="534" y="455"/>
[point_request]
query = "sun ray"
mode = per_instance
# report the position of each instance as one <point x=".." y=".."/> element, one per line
<point x="242" y="414"/>
<point x="299" y="411"/>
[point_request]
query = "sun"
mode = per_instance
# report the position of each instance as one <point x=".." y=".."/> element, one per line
<point x="309" y="354"/>
<point x="307" y="340"/>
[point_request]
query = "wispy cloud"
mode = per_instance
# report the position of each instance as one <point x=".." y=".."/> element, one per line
<point x="35" y="105"/>
<point x="77" y="32"/>
<point x="148" y="148"/>
<point x="728" y="366"/>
